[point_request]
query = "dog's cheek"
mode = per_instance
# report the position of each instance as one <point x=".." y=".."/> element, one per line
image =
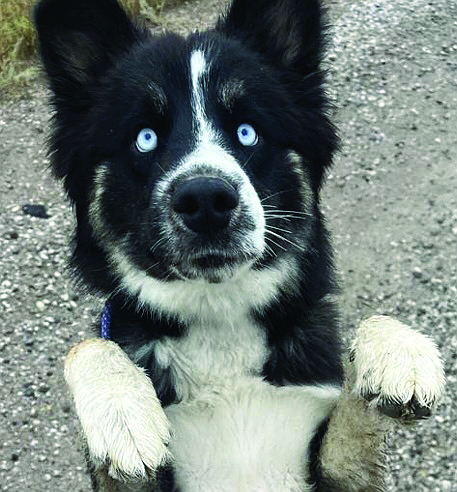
<point x="96" y="206"/>
<point x="116" y="204"/>
<point x="300" y="174"/>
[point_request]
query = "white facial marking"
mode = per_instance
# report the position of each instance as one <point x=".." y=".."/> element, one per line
<point x="209" y="158"/>
<point x="198" y="70"/>
<point x="303" y="179"/>
<point x="95" y="208"/>
<point x="159" y="99"/>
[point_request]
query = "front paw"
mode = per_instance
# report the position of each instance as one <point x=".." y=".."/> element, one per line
<point x="396" y="368"/>
<point x="123" y="421"/>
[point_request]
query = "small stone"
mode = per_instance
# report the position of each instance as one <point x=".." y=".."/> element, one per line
<point x="35" y="211"/>
<point x="43" y="388"/>
<point x="28" y="342"/>
<point x="40" y="305"/>
<point x="66" y="407"/>
<point x="29" y="392"/>
<point x="5" y="466"/>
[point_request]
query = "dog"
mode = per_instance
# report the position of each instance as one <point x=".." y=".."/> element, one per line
<point x="194" y="165"/>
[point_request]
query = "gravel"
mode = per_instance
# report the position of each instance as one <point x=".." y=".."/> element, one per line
<point x="390" y="201"/>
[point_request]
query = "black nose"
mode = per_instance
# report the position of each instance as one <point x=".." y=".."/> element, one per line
<point x="205" y="204"/>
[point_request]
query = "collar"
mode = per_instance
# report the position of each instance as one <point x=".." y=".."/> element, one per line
<point x="105" y="321"/>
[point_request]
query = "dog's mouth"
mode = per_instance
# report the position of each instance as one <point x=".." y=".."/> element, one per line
<point x="214" y="267"/>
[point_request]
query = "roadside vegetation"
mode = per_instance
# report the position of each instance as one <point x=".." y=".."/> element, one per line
<point x="18" y="65"/>
<point x="17" y="43"/>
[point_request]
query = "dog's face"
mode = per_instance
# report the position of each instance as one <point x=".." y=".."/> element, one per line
<point x="187" y="158"/>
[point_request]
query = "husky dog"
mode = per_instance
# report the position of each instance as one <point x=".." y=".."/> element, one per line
<point x="195" y="165"/>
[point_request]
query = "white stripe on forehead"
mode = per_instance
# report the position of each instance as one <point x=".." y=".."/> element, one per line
<point x="198" y="70"/>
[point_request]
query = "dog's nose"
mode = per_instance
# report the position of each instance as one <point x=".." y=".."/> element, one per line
<point x="205" y="204"/>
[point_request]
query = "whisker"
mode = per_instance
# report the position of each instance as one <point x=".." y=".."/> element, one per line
<point x="284" y="239"/>
<point x="293" y="212"/>
<point x="275" y="194"/>
<point x="159" y="242"/>
<point x="274" y="216"/>
<point x="278" y="229"/>
<point x="276" y="244"/>
<point x="270" y="250"/>
<point x="151" y="267"/>
<point x="248" y="159"/>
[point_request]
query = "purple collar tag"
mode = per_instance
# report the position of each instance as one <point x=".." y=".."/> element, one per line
<point x="105" y="321"/>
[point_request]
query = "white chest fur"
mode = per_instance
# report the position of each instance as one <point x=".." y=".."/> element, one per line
<point x="212" y="352"/>
<point x="246" y="435"/>
<point x="232" y="431"/>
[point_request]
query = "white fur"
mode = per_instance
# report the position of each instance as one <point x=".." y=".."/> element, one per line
<point x="303" y="179"/>
<point x="121" y="416"/>
<point x="232" y="431"/>
<point x="198" y="71"/>
<point x="222" y="342"/>
<point x="246" y="289"/>
<point x="397" y="363"/>
<point x="180" y="297"/>
<point x="197" y="298"/>
<point x="229" y="437"/>
<point x="245" y="435"/>
<point x="95" y="208"/>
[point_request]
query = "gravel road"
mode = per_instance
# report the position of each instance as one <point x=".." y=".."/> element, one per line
<point x="390" y="201"/>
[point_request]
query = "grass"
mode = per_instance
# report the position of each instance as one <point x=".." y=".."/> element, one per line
<point x="17" y="43"/>
<point x="18" y="66"/>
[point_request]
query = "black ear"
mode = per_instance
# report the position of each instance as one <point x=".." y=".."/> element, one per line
<point x="288" y="32"/>
<point x="290" y="35"/>
<point x="80" y="39"/>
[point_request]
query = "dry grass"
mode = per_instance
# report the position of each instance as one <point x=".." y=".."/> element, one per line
<point x="18" y="41"/>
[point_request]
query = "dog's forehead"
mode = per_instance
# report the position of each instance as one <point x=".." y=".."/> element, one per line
<point x="198" y="68"/>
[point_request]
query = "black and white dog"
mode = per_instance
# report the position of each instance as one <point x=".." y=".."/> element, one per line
<point x="195" y="165"/>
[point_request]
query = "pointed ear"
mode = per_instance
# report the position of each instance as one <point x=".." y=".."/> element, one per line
<point x="288" y="32"/>
<point x="80" y="39"/>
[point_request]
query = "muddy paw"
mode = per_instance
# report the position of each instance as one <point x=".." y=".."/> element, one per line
<point x="123" y="421"/>
<point x="396" y="368"/>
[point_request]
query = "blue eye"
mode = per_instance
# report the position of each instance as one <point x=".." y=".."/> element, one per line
<point x="247" y="135"/>
<point x="146" y="140"/>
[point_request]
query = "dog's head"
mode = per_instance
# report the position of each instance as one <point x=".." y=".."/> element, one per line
<point x="195" y="157"/>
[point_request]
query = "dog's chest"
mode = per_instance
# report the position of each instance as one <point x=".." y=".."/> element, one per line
<point x="245" y="435"/>
<point x="213" y="350"/>
<point x="232" y="431"/>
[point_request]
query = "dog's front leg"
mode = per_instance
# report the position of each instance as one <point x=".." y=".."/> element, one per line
<point x="394" y="375"/>
<point x="124" y="424"/>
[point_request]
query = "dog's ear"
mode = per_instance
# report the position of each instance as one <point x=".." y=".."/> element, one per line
<point x="80" y="40"/>
<point x="290" y="36"/>
<point x="289" y="33"/>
